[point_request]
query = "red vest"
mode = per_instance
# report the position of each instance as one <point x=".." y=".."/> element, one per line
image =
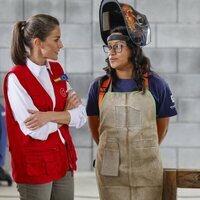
<point x="36" y="161"/>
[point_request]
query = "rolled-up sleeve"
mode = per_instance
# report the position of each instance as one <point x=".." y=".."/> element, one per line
<point x="78" y="116"/>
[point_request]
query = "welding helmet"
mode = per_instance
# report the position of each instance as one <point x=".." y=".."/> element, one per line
<point x="113" y="14"/>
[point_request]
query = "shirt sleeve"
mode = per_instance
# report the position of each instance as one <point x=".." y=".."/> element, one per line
<point x="165" y="104"/>
<point x="78" y="116"/>
<point x="92" y="107"/>
<point x="20" y="102"/>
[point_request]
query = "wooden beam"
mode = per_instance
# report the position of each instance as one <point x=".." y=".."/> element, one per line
<point x="179" y="178"/>
<point x="169" y="184"/>
<point x="188" y="178"/>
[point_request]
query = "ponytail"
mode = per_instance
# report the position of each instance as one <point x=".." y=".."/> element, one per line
<point x="37" y="26"/>
<point x="18" y="49"/>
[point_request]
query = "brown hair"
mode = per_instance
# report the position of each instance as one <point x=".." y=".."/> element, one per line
<point x="37" y="26"/>
<point x="140" y="61"/>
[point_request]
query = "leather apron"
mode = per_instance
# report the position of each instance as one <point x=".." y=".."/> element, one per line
<point x="128" y="164"/>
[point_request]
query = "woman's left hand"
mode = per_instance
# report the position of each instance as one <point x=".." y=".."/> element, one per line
<point x="73" y="100"/>
<point x="36" y="120"/>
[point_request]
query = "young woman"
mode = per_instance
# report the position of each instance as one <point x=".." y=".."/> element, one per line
<point x="39" y="109"/>
<point x="129" y="123"/>
<point x="128" y="114"/>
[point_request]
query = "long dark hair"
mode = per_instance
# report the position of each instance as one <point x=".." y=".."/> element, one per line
<point x="38" y="26"/>
<point x="140" y="62"/>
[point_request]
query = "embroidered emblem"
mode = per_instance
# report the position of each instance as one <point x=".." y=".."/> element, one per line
<point x="172" y="99"/>
<point x="63" y="77"/>
<point x="173" y="102"/>
<point x="63" y="92"/>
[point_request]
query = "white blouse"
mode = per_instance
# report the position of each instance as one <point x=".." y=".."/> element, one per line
<point x="20" y="102"/>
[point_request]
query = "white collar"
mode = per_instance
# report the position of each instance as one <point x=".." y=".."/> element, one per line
<point x="35" y="68"/>
<point x="48" y="66"/>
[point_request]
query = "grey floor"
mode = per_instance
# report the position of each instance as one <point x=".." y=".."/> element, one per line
<point x="86" y="189"/>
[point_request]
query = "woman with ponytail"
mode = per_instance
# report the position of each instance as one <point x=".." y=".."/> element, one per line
<point x="40" y="107"/>
<point x="128" y="110"/>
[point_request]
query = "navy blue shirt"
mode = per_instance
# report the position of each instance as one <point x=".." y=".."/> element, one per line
<point x="165" y="105"/>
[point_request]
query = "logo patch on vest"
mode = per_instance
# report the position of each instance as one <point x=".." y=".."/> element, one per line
<point x="63" y="92"/>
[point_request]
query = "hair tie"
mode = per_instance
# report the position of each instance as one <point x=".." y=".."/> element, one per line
<point x="23" y="24"/>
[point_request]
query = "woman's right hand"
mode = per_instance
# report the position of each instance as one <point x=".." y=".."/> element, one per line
<point x="73" y="100"/>
<point x="36" y="119"/>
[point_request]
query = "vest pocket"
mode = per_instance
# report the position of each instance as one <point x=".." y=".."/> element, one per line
<point x="42" y="164"/>
<point x="110" y="161"/>
<point x="34" y="166"/>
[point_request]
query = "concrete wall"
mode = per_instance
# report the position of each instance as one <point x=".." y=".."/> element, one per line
<point x="174" y="52"/>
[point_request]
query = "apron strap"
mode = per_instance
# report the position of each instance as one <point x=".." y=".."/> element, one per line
<point x="102" y="90"/>
<point x="146" y="80"/>
<point x="106" y="83"/>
